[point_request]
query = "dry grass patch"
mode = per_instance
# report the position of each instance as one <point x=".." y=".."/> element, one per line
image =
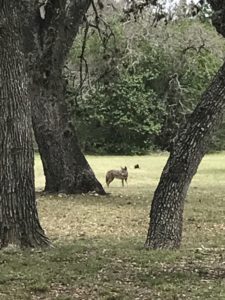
<point x="99" y="241"/>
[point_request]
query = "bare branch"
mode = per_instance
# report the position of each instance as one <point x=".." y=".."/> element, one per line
<point x="192" y="47"/>
<point x="136" y="7"/>
<point x="83" y="60"/>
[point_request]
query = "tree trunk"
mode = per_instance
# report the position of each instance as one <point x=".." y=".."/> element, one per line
<point x="19" y="223"/>
<point x="218" y="16"/>
<point x="166" y="216"/>
<point x="65" y="167"/>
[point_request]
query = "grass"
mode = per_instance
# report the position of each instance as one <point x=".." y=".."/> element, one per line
<point x="98" y="241"/>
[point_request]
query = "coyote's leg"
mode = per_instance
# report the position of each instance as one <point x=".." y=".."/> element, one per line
<point x="109" y="181"/>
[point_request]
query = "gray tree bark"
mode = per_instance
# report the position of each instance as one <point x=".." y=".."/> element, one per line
<point x="166" y="216"/>
<point x="19" y="223"/>
<point x="49" y="39"/>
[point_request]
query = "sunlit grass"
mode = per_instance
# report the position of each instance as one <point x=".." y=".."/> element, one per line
<point x="99" y="240"/>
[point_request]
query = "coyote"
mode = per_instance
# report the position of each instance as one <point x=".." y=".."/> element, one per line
<point x="119" y="174"/>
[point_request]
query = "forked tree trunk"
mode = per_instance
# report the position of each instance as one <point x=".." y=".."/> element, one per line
<point x="166" y="216"/>
<point x="19" y="223"/>
<point x="65" y="167"/>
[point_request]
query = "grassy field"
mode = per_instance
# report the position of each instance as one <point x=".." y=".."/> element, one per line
<point x="98" y="241"/>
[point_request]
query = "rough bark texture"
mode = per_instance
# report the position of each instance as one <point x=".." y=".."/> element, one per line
<point x="19" y="223"/>
<point x="166" y="216"/>
<point x="65" y="167"/>
<point x="218" y="17"/>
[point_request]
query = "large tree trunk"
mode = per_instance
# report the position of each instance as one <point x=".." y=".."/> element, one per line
<point x="65" y="167"/>
<point x="19" y="223"/>
<point x="166" y="216"/>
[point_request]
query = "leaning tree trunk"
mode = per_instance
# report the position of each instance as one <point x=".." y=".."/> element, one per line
<point x="19" y="223"/>
<point x="166" y="216"/>
<point x="65" y="166"/>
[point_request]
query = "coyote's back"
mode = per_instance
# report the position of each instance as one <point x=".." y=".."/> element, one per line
<point x="119" y="174"/>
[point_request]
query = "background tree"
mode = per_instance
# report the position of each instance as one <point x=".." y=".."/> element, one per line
<point x="19" y="222"/>
<point x="143" y="86"/>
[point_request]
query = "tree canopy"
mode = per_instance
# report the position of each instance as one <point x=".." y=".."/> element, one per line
<point x="143" y="85"/>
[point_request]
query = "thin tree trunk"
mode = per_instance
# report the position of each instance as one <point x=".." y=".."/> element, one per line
<point x="65" y="167"/>
<point x="166" y="216"/>
<point x="19" y="223"/>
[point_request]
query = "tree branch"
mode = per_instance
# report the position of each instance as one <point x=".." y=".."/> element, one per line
<point x="58" y="22"/>
<point x="132" y="6"/>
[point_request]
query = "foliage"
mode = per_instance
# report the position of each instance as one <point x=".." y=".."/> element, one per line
<point x="119" y="118"/>
<point x="144" y="85"/>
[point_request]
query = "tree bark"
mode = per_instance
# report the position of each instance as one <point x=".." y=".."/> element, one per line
<point x="65" y="167"/>
<point x="19" y="223"/>
<point x="166" y="216"/>
<point x="218" y="16"/>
